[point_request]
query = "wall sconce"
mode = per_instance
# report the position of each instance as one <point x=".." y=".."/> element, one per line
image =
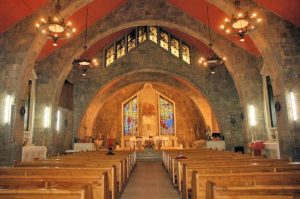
<point x="7" y="109"/>
<point x="294" y="108"/>
<point x="47" y="117"/>
<point x="58" y="120"/>
<point x="251" y="115"/>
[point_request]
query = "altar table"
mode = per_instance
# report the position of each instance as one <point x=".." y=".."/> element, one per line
<point x="84" y="147"/>
<point x="31" y="153"/>
<point x="218" y="144"/>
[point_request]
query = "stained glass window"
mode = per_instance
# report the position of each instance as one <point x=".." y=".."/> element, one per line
<point x="175" y="46"/>
<point x="110" y="55"/>
<point x="164" y="40"/>
<point x="166" y="117"/>
<point x="130" y="114"/>
<point x="186" y="53"/>
<point x="153" y="34"/>
<point x="131" y="40"/>
<point x="142" y="34"/>
<point x="121" y="47"/>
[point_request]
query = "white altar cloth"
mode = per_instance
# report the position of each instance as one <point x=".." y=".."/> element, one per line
<point x="218" y="144"/>
<point x="30" y="153"/>
<point x="84" y="147"/>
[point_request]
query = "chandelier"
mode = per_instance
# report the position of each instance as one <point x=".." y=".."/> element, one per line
<point x="84" y="63"/>
<point x="212" y="61"/>
<point x="241" y="22"/>
<point x="55" y="27"/>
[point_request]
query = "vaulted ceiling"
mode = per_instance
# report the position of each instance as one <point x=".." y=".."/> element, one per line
<point x="14" y="11"/>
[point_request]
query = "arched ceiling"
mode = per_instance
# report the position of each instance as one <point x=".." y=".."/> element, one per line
<point x="15" y="10"/>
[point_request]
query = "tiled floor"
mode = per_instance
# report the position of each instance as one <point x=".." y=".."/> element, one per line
<point x="149" y="180"/>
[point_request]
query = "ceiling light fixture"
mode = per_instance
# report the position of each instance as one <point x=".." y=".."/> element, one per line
<point x="212" y="61"/>
<point x="241" y="22"/>
<point x="84" y="63"/>
<point x="55" y="27"/>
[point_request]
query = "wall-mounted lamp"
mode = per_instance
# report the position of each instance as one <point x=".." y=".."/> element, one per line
<point x="251" y="115"/>
<point x="294" y="108"/>
<point x="58" y="120"/>
<point x="7" y="109"/>
<point x="47" y="117"/>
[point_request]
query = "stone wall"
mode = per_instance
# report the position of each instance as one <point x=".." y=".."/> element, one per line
<point x="277" y="40"/>
<point x="189" y="123"/>
<point x="150" y="63"/>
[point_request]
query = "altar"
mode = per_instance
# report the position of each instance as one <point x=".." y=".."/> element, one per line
<point x="141" y="142"/>
<point x="149" y="120"/>
<point x="31" y="153"/>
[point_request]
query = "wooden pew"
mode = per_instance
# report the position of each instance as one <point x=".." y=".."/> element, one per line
<point x="119" y="169"/>
<point x="42" y="194"/>
<point x="258" y="192"/>
<point x="188" y="169"/>
<point x="90" y="187"/>
<point x="226" y="161"/>
<point x="199" y="181"/>
<point x="63" y="171"/>
<point x="123" y="162"/>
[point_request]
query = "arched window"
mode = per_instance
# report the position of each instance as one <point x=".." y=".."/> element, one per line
<point x="130" y="117"/>
<point x="166" y="117"/>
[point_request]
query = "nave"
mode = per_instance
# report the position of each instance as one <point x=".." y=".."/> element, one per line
<point x="149" y="180"/>
<point x="189" y="173"/>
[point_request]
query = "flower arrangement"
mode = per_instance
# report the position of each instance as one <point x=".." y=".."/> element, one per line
<point x="148" y="144"/>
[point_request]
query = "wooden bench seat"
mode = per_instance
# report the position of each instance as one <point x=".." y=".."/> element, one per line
<point x="90" y="186"/>
<point x="56" y="171"/>
<point x="43" y="194"/>
<point x="121" y="177"/>
<point x="249" y="192"/>
<point x="177" y="169"/>
<point x="200" y="181"/>
<point x="187" y="172"/>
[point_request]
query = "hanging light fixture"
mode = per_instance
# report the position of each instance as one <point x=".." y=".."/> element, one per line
<point x="84" y="63"/>
<point x="55" y="27"/>
<point x="212" y="61"/>
<point x="241" y="22"/>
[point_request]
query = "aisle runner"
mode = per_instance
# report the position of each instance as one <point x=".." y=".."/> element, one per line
<point x="149" y="180"/>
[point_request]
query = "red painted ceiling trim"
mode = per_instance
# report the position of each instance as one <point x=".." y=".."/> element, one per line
<point x="197" y="9"/>
<point x="288" y="9"/>
<point x="97" y="10"/>
<point x="13" y="11"/>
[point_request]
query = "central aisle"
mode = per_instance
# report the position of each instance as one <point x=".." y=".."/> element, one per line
<point x="149" y="180"/>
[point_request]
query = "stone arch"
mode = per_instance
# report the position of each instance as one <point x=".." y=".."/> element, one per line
<point x="273" y="65"/>
<point x="244" y="71"/>
<point x="164" y="23"/>
<point x="122" y="81"/>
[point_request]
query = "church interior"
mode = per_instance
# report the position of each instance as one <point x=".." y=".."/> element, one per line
<point x="94" y="94"/>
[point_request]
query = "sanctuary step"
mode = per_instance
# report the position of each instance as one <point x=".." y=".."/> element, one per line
<point x="148" y="155"/>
